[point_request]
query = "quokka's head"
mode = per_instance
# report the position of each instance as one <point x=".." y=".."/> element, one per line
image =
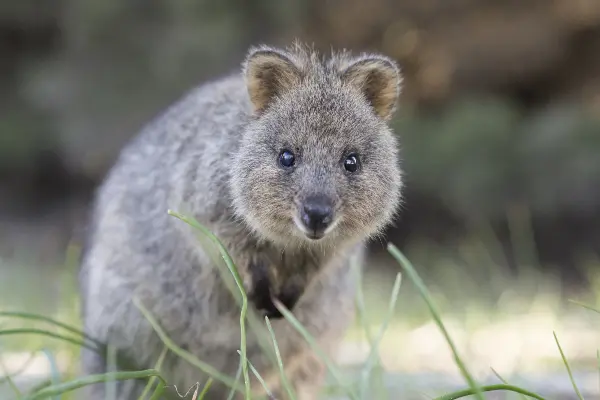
<point x="317" y="162"/>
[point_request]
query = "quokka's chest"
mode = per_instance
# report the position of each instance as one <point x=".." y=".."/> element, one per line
<point x="284" y="276"/>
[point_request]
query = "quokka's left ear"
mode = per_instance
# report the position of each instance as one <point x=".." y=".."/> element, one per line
<point x="379" y="79"/>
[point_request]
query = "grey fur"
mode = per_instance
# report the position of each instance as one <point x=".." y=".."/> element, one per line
<point x="214" y="155"/>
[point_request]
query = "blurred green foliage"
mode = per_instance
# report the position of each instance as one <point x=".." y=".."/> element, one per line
<point x="480" y="155"/>
<point x="79" y="77"/>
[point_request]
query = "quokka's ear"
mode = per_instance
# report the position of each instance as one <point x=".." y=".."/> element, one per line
<point x="379" y="79"/>
<point x="269" y="73"/>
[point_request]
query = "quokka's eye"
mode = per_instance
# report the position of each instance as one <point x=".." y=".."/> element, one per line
<point x="351" y="163"/>
<point x="287" y="159"/>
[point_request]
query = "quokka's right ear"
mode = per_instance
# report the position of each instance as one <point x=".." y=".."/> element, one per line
<point x="269" y="73"/>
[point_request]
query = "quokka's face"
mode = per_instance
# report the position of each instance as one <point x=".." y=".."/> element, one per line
<point x="317" y="162"/>
<point x="317" y="167"/>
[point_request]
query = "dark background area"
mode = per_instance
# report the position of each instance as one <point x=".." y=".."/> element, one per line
<point x="498" y="119"/>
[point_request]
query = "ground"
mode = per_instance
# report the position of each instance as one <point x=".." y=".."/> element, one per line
<point x="513" y="334"/>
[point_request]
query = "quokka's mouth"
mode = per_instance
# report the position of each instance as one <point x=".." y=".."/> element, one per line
<point x="315" y="235"/>
<point x="312" y="235"/>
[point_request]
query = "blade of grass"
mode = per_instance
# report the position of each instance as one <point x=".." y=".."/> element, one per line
<point x="24" y="315"/>
<point x="238" y="280"/>
<point x="373" y="354"/>
<point x="205" y="389"/>
<point x="362" y="319"/>
<point x="562" y="354"/>
<point x="54" y="372"/>
<point x="157" y="367"/>
<point x="585" y="306"/>
<point x="490" y="388"/>
<point x="504" y="381"/>
<point x="316" y="348"/>
<point x="10" y="381"/>
<point x="158" y="392"/>
<point x="39" y="386"/>
<point x="259" y="378"/>
<point x="110" y="391"/>
<point x="238" y="375"/>
<point x="78" y="383"/>
<point x="19" y="370"/>
<point x="252" y="318"/>
<point x="189" y="357"/>
<point x="43" y="332"/>
<point x="416" y="279"/>
<point x="225" y="269"/>
<point x="284" y="381"/>
<point x="360" y="302"/>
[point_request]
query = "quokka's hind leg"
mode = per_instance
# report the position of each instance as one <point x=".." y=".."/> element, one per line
<point x="306" y="378"/>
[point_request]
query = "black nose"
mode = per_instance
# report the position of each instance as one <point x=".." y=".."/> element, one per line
<point x="317" y="214"/>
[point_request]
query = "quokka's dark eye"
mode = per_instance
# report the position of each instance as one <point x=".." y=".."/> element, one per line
<point x="351" y="163"/>
<point x="287" y="159"/>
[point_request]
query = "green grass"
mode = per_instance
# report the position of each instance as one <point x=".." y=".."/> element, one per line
<point x="568" y="367"/>
<point x="284" y="381"/>
<point x="368" y="386"/>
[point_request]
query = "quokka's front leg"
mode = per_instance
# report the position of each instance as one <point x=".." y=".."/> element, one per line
<point x="265" y="290"/>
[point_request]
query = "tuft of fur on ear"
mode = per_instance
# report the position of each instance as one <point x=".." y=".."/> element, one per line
<point x="269" y="73"/>
<point x="379" y="79"/>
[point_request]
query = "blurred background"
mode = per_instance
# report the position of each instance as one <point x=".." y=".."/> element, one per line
<point x="500" y="130"/>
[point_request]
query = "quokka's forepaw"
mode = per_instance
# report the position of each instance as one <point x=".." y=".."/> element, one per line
<point x="263" y="292"/>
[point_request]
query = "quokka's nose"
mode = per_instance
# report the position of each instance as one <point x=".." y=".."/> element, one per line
<point x="317" y="215"/>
